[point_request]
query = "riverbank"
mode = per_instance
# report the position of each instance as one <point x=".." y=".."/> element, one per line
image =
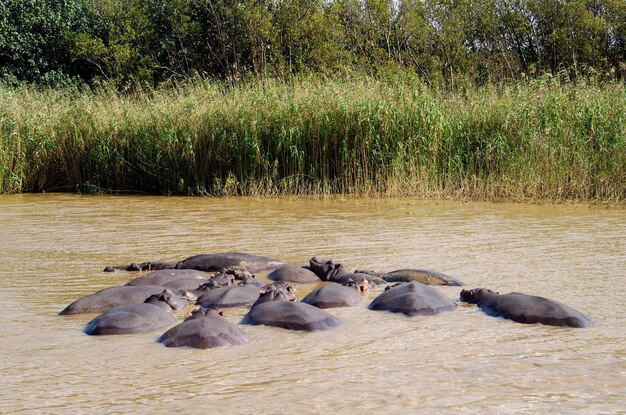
<point x="539" y="141"/>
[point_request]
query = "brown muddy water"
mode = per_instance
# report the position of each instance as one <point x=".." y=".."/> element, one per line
<point x="53" y="248"/>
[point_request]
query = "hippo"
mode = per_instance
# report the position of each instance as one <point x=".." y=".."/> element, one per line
<point x="335" y="295"/>
<point x="251" y="281"/>
<point x="219" y="280"/>
<point x="294" y="273"/>
<point x="326" y="269"/>
<point x="142" y="266"/>
<point x="204" y="329"/>
<point x="111" y="297"/>
<point x="413" y="298"/>
<point x="274" y="308"/>
<point x="524" y="308"/>
<point x="220" y="262"/>
<point x="229" y="296"/>
<point x="421" y="275"/>
<point x="154" y="313"/>
<point x="358" y="277"/>
<point x="165" y="276"/>
<point x="184" y="284"/>
<point x="238" y="273"/>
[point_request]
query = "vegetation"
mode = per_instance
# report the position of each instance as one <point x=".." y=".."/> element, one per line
<point x="445" y="42"/>
<point x="541" y="140"/>
<point x="489" y="99"/>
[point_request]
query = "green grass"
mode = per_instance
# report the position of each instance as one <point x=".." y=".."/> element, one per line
<point x="539" y="141"/>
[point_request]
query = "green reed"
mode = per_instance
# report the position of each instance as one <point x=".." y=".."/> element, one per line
<point x="395" y="137"/>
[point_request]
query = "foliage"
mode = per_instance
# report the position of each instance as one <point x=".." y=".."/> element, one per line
<point x="446" y="42"/>
<point x="542" y="140"/>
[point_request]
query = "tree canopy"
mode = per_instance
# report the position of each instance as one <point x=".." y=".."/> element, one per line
<point x="444" y="41"/>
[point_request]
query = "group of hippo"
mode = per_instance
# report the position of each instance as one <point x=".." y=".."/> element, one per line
<point x="217" y="281"/>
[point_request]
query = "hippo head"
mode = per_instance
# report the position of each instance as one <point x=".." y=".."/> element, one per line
<point x="205" y="312"/>
<point x="325" y="268"/>
<point x="238" y="273"/>
<point x="278" y="291"/>
<point x="188" y="296"/>
<point x="476" y="295"/>
<point x="390" y="286"/>
<point x="217" y="281"/>
<point x="223" y="279"/>
<point x="167" y="299"/>
<point x="362" y="286"/>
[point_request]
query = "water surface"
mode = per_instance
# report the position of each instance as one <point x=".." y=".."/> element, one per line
<point x="55" y="246"/>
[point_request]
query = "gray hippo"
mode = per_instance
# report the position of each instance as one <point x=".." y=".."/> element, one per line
<point x="420" y="275"/>
<point x="251" y="281"/>
<point x="275" y="307"/>
<point x="230" y="296"/>
<point x="184" y="284"/>
<point x="154" y="313"/>
<point x="141" y="266"/>
<point x="107" y="298"/>
<point x="293" y="273"/>
<point x="326" y="269"/>
<point x="412" y="299"/>
<point x="524" y="308"/>
<point x="335" y="295"/>
<point x="165" y="276"/>
<point x="219" y="280"/>
<point x="204" y="329"/>
<point x="358" y="277"/>
<point x="220" y="262"/>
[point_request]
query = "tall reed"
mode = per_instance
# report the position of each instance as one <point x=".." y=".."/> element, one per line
<point x="539" y="141"/>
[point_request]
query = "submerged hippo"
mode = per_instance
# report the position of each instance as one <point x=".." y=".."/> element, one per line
<point x="359" y="277"/>
<point x="141" y="266"/>
<point x="166" y="276"/>
<point x="107" y="298"/>
<point x="524" y="308"/>
<point x="204" y="329"/>
<point x="184" y="284"/>
<point x="230" y="296"/>
<point x="294" y="273"/>
<point x="274" y="308"/>
<point x="220" y="262"/>
<point x="421" y="275"/>
<point x="154" y="313"/>
<point x="412" y="299"/>
<point x="326" y="269"/>
<point x="336" y="295"/>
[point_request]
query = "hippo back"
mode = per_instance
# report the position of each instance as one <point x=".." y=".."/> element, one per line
<point x="107" y="298"/>
<point x="531" y="309"/>
<point x="413" y="299"/>
<point x="203" y="333"/>
<point x="133" y="318"/>
<point x="333" y="295"/>
<point x="291" y="315"/>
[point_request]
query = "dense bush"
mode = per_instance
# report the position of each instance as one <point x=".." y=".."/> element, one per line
<point x="451" y="42"/>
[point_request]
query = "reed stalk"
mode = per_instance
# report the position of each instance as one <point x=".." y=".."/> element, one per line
<point x="539" y="141"/>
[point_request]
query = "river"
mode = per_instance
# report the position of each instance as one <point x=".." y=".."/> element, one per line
<point x="54" y="247"/>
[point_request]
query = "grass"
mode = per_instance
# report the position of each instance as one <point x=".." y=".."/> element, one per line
<point x="539" y="141"/>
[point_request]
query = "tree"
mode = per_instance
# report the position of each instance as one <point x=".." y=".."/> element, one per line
<point x="35" y="38"/>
